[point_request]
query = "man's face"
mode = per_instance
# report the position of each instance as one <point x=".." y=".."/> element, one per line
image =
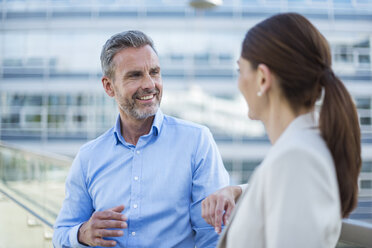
<point x="137" y="85"/>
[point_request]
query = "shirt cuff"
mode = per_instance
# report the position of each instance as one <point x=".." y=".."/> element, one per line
<point x="73" y="237"/>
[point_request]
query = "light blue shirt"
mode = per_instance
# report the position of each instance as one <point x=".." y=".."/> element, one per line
<point x="161" y="181"/>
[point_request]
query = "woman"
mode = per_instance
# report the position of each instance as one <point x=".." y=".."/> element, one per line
<point x="308" y="180"/>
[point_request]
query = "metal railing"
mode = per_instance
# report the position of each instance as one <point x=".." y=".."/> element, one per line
<point x="357" y="233"/>
<point x="35" y="182"/>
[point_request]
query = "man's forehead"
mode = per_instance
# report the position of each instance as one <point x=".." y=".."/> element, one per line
<point x="130" y="53"/>
<point x="136" y="58"/>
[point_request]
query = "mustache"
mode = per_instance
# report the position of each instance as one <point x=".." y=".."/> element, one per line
<point x="141" y="92"/>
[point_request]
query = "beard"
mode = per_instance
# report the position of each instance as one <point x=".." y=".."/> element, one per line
<point x="141" y="111"/>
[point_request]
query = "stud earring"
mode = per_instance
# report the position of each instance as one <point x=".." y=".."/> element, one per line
<point x="259" y="93"/>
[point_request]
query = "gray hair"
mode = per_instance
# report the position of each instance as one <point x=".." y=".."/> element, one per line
<point x="117" y="42"/>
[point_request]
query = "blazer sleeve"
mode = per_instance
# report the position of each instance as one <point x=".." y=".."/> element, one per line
<point x="244" y="187"/>
<point x="302" y="207"/>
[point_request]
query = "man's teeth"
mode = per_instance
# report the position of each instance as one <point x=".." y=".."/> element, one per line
<point x="147" y="97"/>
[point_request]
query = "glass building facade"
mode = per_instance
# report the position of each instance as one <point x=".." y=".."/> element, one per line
<point x="51" y="95"/>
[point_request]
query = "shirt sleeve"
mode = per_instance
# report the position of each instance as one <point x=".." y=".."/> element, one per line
<point x="301" y="202"/>
<point x="76" y="208"/>
<point x="209" y="175"/>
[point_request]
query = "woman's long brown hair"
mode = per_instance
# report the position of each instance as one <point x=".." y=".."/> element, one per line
<point x="299" y="55"/>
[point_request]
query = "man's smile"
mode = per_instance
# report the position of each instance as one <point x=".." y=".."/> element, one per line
<point x="146" y="97"/>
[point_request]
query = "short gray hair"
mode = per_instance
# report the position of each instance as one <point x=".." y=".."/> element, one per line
<point x="117" y="42"/>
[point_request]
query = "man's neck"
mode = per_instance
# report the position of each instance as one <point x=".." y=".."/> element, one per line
<point x="132" y="129"/>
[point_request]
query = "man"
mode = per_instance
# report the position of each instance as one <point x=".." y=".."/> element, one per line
<point x="142" y="182"/>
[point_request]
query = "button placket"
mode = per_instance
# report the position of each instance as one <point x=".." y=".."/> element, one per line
<point x="135" y="192"/>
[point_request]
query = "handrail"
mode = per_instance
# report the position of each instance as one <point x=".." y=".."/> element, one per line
<point x="28" y="182"/>
<point x="46" y="156"/>
<point x="356" y="232"/>
<point x="30" y="211"/>
<point x="352" y="232"/>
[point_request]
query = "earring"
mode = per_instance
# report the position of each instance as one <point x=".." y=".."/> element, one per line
<point x="259" y="93"/>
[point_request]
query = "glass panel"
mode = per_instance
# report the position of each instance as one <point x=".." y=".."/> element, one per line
<point x="33" y="188"/>
<point x="366" y="184"/>
<point x="364" y="59"/>
<point x="363" y="103"/>
<point x="365" y="121"/>
<point x="58" y="42"/>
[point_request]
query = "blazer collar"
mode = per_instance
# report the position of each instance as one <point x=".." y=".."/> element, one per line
<point x="301" y="122"/>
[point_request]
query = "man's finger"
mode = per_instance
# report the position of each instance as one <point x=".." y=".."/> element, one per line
<point x="104" y="224"/>
<point x="108" y="233"/>
<point x="110" y="215"/>
<point x="117" y="209"/>
<point x="104" y="243"/>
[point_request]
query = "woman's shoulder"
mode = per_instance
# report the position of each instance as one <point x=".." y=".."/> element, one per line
<point x="305" y="147"/>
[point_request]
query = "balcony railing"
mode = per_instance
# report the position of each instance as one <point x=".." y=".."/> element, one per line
<point x="35" y="183"/>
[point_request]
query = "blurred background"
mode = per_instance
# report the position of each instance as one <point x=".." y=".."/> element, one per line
<point x="52" y="101"/>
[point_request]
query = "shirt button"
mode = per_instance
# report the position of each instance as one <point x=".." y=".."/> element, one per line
<point x="138" y="152"/>
<point x="136" y="178"/>
<point x="133" y="233"/>
<point x="135" y="205"/>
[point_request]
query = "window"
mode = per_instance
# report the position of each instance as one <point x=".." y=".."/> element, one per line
<point x="365" y="121"/>
<point x="343" y="54"/>
<point x="363" y="103"/>
<point x="33" y="100"/>
<point x="33" y="118"/>
<point x="367" y="166"/>
<point x="11" y="119"/>
<point x="228" y="165"/>
<point x="364" y="59"/>
<point x="366" y="184"/>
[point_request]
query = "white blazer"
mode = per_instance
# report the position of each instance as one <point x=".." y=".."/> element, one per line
<point x="293" y="198"/>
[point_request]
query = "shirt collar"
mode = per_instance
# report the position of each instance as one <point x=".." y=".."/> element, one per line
<point x="158" y="123"/>
<point x="155" y="128"/>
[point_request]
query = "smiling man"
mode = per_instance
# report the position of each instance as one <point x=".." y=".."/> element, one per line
<point x="142" y="182"/>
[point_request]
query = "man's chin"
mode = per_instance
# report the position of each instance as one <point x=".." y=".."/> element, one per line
<point x="140" y="115"/>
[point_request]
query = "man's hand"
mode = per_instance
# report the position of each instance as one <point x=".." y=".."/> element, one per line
<point x="92" y="232"/>
<point x="213" y="206"/>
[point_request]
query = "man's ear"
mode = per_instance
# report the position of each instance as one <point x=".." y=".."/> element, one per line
<point x="264" y="78"/>
<point x="107" y="84"/>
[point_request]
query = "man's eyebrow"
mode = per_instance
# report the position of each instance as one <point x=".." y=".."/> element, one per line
<point x="155" y="68"/>
<point x="131" y="73"/>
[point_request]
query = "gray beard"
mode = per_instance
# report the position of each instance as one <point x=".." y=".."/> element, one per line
<point x="131" y="110"/>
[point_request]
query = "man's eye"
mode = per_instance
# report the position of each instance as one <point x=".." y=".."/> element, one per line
<point x="135" y="75"/>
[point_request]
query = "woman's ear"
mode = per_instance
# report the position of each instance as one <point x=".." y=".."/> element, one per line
<point x="108" y="86"/>
<point x="264" y="78"/>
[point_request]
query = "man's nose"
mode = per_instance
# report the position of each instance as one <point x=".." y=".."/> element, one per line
<point x="148" y="82"/>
